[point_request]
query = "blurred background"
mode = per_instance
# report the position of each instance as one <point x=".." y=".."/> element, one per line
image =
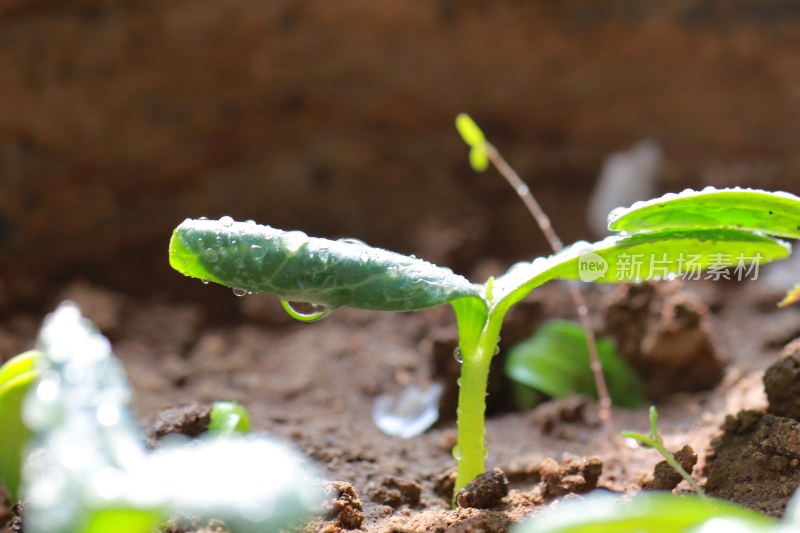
<point x="120" y="118"/>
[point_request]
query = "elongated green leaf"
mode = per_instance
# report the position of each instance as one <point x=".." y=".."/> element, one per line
<point x="661" y="254"/>
<point x="771" y="213"/>
<point x="555" y="360"/>
<point x="651" y="512"/>
<point x="308" y="269"/>
<point x="17" y="376"/>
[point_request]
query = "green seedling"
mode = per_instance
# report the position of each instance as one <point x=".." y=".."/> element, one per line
<point x="229" y="418"/>
<point x="555" y="361"/>
<point x="654" y="440"/>
<point x="651" y="512"/>
<point x="322" y="275"/>
<point x="16" y="377"/>
<point x="86" y="469"/>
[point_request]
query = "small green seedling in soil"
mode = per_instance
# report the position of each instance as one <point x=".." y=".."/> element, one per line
<point x="651" y="512"/>
<point x="86" y="469"/>
<point x="17" y="376"/>
<point x="555" y="361"/>
<point x="653" y="440"/>
<point x="229" y="418"/>
<point x="324" y="275"/>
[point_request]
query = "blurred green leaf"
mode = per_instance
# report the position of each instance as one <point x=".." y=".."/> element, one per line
<point x="228" y="418"/>
<point x="791" y="297"/>
<point x="555" y="361"/>
<point x="17" y="376"/>
<point x="647" y="512"/>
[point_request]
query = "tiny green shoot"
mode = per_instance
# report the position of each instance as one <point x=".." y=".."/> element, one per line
<point x="229" y="418"/>
<point x="555" y="361"/>
<point x="328" y="274"/>
<point x="654" y="440"/>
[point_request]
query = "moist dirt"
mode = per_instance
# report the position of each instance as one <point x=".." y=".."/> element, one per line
<point x="313" y="386"/>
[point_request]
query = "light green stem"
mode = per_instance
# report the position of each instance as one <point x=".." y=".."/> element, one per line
<point x="471" y="450"/>
<point x="658" y="445"/>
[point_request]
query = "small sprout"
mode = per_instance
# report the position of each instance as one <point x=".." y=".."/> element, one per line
<point x="555" y="361"/>
<point x="473" y="136"/>
<point x="653" y="440"/>
<point x="229" y="418"/>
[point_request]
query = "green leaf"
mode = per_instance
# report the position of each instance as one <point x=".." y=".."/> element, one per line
<point x="555" y="360"/>
<point x="124" y="520"/>
<point x="771" y="213"/>
<point x="655" y="255"/>
<point x="478" y="158"/>
<point x="469" y="130"/>
<point x="17" y="376"/>
<point x="229" y="418"/>
<point x="651" y="512"/>
<point x="299" y="268"/>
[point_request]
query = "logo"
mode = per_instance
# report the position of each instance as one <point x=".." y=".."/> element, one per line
<point x="591" y="266"/>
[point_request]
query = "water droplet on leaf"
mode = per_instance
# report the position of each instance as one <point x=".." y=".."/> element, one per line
<point x="305" y="311"/>
<point x="458" y="355"/>
<point x="238" y="291"/>
<point x="350" y="240"/>
<point x="226" y="221"/>
<point x="456" y="453"/>
<point x="210" y="255"/>
<point x="205" y="281"/>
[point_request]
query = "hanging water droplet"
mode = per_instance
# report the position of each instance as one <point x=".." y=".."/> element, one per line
<point x="305" y="311"/>
<point x="205" y="281"/>
<point x="350" y="240"/>
<point x="456" y="453"/>
<point x="210" y="255"/>
<point x="408" y="413"/>
<point x="238" y="291"/>
<point x="226" y="221"/>
<point x="458" y="355"/>
<point x="496" y="350"/>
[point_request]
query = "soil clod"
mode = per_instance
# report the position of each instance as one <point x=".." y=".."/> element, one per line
<point x="485" y="491"/>
<point x="344" y="505"/>
<point x="574" y="476"/>
<point x="782" y="383"/>
<point x="755" y="461"/>
<point x="665" y="477"/>
<point x="396" y="492"/>
<point x="190" y="420"/>
<point x="663" y="332"/>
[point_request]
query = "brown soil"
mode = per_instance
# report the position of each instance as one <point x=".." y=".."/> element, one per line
<point x="313" y="385"/>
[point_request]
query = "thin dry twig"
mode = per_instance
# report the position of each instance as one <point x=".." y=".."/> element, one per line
<point x="525" y="194"/>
